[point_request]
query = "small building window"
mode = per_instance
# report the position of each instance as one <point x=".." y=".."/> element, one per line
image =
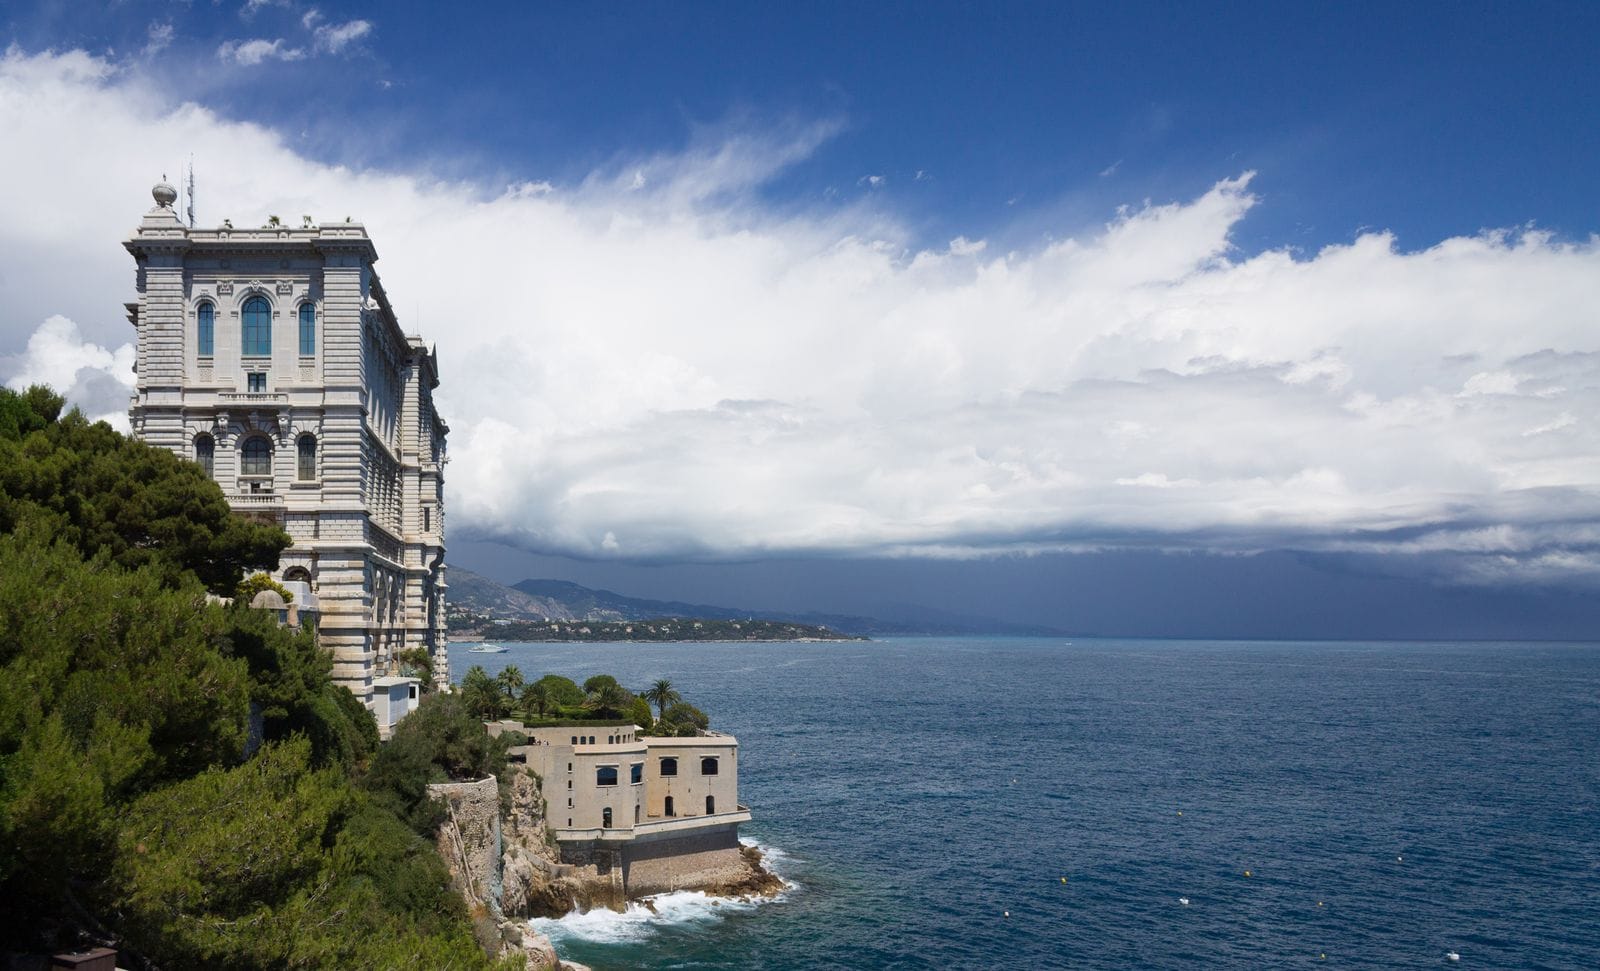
<point x="611" y="739"/>
<point x="206" y="316"/>
<point x="205" y="451"/>
<point x="307" y="453"/>
<point x="574" y="741"/>
<point x="669" y="766"/>
<point x="569" y="783"/>
<point x="668" y="810"/>
<point x="256" y="332"/>
<point x="427" y="519"/>
<point x="256" y="382"/>
<point x="636" y="773"/>
<point x="591" y="739"/>
<point x="605" y="818"/>
<point x="605" y="775"/>
<point x="708" y="766"/>
<point x="308" y="330"/>
<point x="711" y="805"/>
<point x="257" y="456"/>
<point x="569" y="802"/>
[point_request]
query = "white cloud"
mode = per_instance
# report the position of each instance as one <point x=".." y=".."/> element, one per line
<point x="160" y="38"/>
<point x="334" y="38"/>
<point x="654" y="363"/>
<point x="253" y="7"/>
<point x="94" y="378"/>
<point x="873" y="181"/>
<point x="251" y="52"/>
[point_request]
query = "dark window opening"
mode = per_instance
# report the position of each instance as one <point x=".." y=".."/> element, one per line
<point x="708" y="766"/>
<point x="256" y="381"/>
<point x="257" y="456"/>
<point x="636" y="773"/>
<point x="308" y="458"/>
<point x="669" y="807"/>
<point x="605" y="818"/>
<point x="605" y="775"/>
<point x="711" y="805"/>
<point x="205" y="451"/>
<point x="669" y="766"/>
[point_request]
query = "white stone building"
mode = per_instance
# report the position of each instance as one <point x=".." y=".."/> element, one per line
<point x="273" y="358"/>
<point x="664" y="812"/>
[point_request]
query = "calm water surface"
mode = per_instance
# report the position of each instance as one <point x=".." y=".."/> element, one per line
<point x="1392" y="802"/>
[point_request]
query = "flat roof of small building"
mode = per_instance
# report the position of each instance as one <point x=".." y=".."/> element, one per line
<point x="392" y="680"/>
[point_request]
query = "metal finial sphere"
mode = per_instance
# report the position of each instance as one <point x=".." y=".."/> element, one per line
<point x="165" y="195"/>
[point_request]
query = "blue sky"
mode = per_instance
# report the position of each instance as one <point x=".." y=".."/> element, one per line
<point x="949" y="295"/>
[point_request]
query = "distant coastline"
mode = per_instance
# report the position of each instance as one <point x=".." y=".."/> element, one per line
<point x="664" y="630"/>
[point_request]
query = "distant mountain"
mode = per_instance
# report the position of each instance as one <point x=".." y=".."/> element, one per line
<point x="533" y="600"/>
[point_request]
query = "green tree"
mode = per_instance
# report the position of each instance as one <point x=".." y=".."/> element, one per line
<point x="114" y="496"/>
<point x="608" y="700"/>
<point x="661" y="694"/>
<point x="480" y="693"/>
<point x="441" y="740"/>
<point x="510" y="683"/>
<point x="639" y="714"/>
<point x="684" y="719"/>
<point x="597" y="682"/>
<point x="537" y="697"/>
<point x="564" y="691"/>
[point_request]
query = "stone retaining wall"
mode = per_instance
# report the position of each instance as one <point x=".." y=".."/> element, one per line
<point x="694" y="861"/>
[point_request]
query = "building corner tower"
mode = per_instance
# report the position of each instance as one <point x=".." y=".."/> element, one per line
<point x="273" y="358"/>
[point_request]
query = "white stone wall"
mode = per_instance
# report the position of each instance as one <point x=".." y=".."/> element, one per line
<point x="365" y="395"/>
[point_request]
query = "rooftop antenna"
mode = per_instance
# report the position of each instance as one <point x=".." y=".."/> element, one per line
<point x="190" y="209"/>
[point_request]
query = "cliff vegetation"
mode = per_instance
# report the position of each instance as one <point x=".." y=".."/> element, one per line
<point x="138" y="808"/>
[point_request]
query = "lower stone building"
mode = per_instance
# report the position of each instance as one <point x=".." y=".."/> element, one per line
<point x="664" y="810"/>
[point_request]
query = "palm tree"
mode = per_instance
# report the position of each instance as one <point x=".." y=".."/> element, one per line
<point x="608" y="700"/>
<point x="510" y="682"/>
<point x="537" y="696"/>
<point x="661" y="694"/>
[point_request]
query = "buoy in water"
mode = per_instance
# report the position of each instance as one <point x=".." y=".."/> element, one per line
<point x="1008" y="913"/>
<point x="1452" y="955"/>
<point x="1063" y="879"/>
<point x="1247" y="873"/>
<point x="1184" y="901"/>
<point x="1319" y="903"/>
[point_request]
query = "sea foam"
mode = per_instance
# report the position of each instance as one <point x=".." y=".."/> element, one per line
<point x="680" y="908"/>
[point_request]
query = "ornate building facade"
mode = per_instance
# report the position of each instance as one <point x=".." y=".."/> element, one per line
<point x="273" y="358"/>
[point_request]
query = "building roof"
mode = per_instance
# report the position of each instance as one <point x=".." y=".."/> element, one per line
<point x="392" y="680"/>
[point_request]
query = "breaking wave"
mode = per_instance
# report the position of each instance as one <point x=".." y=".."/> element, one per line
<point x="678" y="909"/>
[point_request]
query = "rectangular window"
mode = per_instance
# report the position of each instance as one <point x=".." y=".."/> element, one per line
<point x="636" y="773"/>
<point x="427" y="519"/>
<point x="208" y="324"/>
<point x="708" y="766"/>
<point x="669" y="766"/>
<point x="605" y="775"/>
<point x="256" y="381"/>
<point x="308" y="330"/>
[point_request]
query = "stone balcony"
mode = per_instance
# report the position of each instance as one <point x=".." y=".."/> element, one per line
<point x="254" y="399"/>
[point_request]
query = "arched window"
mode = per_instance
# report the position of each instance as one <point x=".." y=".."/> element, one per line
<point x="711" y="805"/>
<point x="307" y="451"/>
<point x="669" y="766"/>
<point x="708" y="766"/>
<point x="297" y="574"/>
<point x="605" y="775"/>
<point x="605" y="818"/>
<point x="257" y="327"/>
<point x="207" y="317"/>
<point x="668" y="809"/>
<point x="257" y="456"/>
<point x="205" y="451"/>
<point x="308" y="330"/>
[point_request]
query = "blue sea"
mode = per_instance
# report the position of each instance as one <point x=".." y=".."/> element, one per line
<point x="1040" y="803"/>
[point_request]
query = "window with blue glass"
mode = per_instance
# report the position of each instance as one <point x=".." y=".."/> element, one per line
<point x="308" y="330"/>
<point x="257" y="327"/>
<point x="207" y="317"/>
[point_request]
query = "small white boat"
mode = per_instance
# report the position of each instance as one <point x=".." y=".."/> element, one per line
<point x="486" y="649"/>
